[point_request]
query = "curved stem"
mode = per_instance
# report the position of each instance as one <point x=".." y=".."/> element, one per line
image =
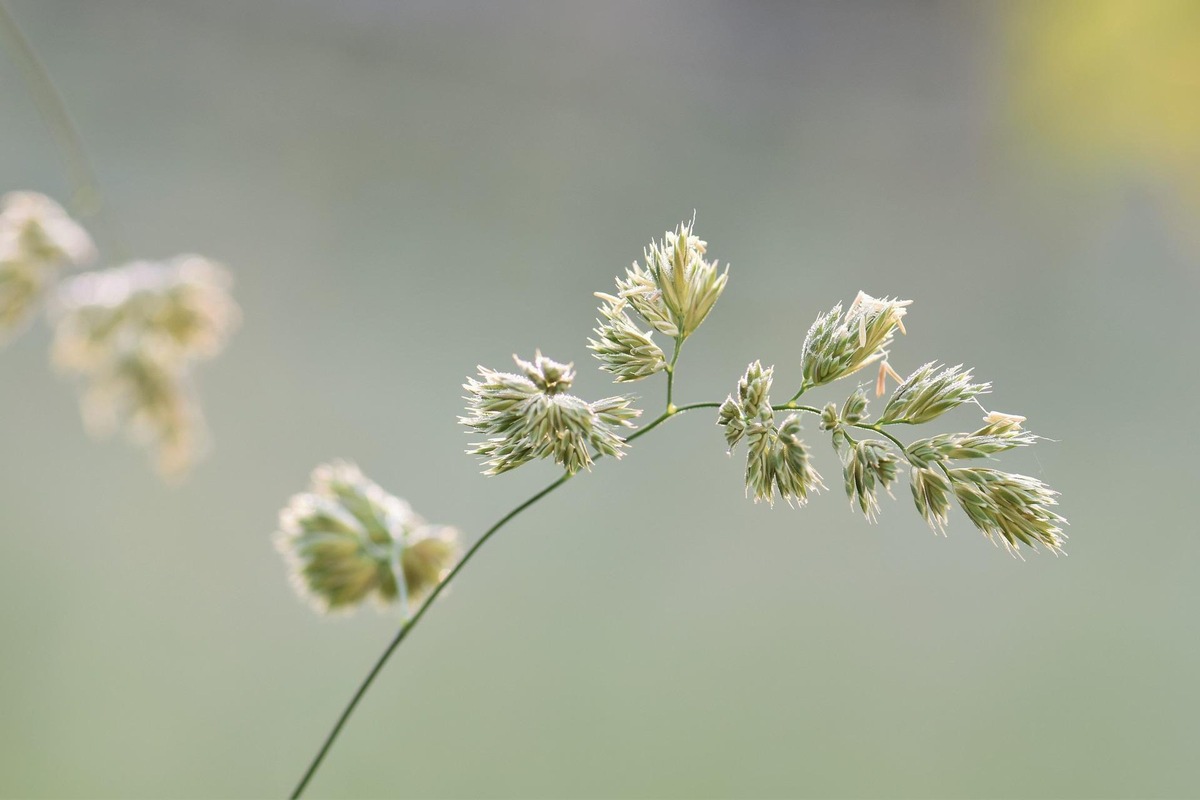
<point x="402" y="634"/>
<point x="791" y="403"/>
<point x="879" y="429"/>
<point x="87" y="200"/>
<point x="666" y="415"/>
<point x="791" y="406"/>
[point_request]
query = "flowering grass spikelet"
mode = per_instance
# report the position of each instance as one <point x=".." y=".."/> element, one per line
<point x="985" y="442"/>
<point x="1015" y="509"/>
<point x="530" y="416"/>
<point x="867" y="466"/>
<point x="795" y="476"/>
<point x="37" y="239"/>
<point x="152" y="397"/>
<point x="929" y="392"/>
<point x="777" y="460"/>
<point x="348" y="541"/>
<point x="677" y="287"/>
<point x="751" y="407"/>
<point x="854" y="410"/>
<point x="931" y="495"/>
<point x="839" y="344"/>
<point x="624" y="350"/>
<point x="182" y="305"/>
<point x="132" y="333"/>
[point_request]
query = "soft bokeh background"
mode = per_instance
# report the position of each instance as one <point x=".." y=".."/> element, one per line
<point x="406" y="190"/>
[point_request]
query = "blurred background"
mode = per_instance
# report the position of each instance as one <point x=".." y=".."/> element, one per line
<point x="406" y="190"/>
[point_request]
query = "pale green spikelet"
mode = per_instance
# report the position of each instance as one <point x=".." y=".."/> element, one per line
<point x="751" y="406"/>
<point x="676" y="288"/>
<point x="929" y="392"/>
<point x="530" y="416"/>
<point x="624" y="350"/>
<point x="839" y="344"/>
<point x="131" y="335"/>
<point x="151" y="396"/>
<point x="854" y="410"/>
<point x="348" y="541"/>
<point x="931" y="495"/>
<point x="777" y="460"/>
<point x="985" y="442"/>
<point x="1016" y="509"/>
<point x="867" y="466"/>
<point x="182" y="306"/>
<point x="795" y="476"/>
<point x="37" y="239"/>
<point x="830" y="421"/>
<point x="760" y="462"/>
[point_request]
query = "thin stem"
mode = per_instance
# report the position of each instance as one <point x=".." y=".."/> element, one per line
<point x="791" y="403"/>
<point x="878" y="428"/>
<point x="666" y="415"/>
<point x="671" y="372"/>
<point x="402" y="634"/>
<point x="790" y="406"/>
<point x="86" y="200"/>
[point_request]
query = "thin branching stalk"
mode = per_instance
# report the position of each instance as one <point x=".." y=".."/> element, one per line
<point x="402" y="634"/>
<point x="347" y="538"/>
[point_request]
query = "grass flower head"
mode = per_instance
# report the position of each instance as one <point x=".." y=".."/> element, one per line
<point x="348" y="542"/>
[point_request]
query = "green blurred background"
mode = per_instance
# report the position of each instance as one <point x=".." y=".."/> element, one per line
<point x="406" y="190"/>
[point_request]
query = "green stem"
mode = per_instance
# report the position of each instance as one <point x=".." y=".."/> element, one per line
<point x="666" y="415"/>
<point x="671" y="373"/>
<point x="87" y="200"/>
<point x="791" y="406"/>
<point x="791" y="403"/>
<point x="878" y="428"/>
<point x="402" y="634"/>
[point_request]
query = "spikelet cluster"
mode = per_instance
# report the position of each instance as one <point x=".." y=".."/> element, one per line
<point x="777" y="459"/>
<point x="625" y="351"/>
<point x="929" y="392"/>
<point x="529" y="416"/>
<point x="992" y="438"/>
<point x="1014" y="509"/>
<point x="131" y="335"/>
<point x="841" y="343"/>
<point x="931" y="495"/>
<point x="868" y="466"/>
<point x="37" y="240"/>
<point x="676" y="288"/>
<point x="348" y="541"/>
